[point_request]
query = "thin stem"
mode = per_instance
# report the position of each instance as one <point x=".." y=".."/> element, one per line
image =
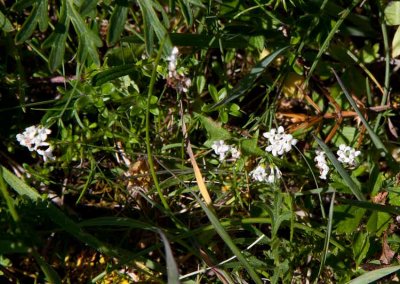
<point x="387" y="67"/>
<point x="148" y="144"/>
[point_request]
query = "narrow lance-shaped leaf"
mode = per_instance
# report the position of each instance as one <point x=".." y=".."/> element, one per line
<point x="43" y="16"/>
<point x="117" y="23"/>
<point x="172" y="267"/>
<point x="153" y="24"/>
<point x="57" y="40"/>
<point x="375" y="275"/>
<point x="29" y="26"/>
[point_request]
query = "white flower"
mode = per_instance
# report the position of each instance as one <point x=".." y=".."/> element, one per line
<point x="260" y="174"/>
<point x="46" y="154"/>
<point x="172" y="62"/>
<point x="221" y="149"/>
<point x="347" y="155"/>
<point x="34" y="138"/>
<point x="279" y="142"/>
<point x="321" y="164"/>
<point x="235" y="153"/>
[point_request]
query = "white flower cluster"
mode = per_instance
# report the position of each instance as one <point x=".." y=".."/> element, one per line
<point x="260" y="174"/>
<point x="176" y="80"/>
<point x="34" y="138"/>
<point x="279" y="142"/>
<point x="222" y="150"/>
<point x="347" y="155"/>
<point x="322" y="165"/>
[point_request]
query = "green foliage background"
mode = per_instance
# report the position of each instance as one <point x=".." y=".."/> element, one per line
<point x="121" y="201"/>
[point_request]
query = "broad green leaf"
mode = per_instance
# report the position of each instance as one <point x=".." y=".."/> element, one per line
<point x="247" y="82"/>
<point x="348" y="218"/>
<point x="392" y="13"/>
<point x="29" y="25"/>
<point x="5" y="23"/>
<point x="396" y="43"/>
<point x="378" y="222"/>
<point x="214" y="130"/>
<point x="374" y="275"/>
<point x="113" y="73"/>
<point x="249" y="146"/>
<point x="117" y="23"/>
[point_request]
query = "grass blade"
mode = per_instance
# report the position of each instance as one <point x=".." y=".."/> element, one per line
<point x="228" y="241"/>
<point x="355" y="189"/>
<point x="374" y="275"/>
<point x="375" y="139"/>
<point x="328" y="235"/>
<point x="172" y="268"/>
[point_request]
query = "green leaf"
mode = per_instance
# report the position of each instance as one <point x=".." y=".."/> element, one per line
<point x="5" y="23"/>
<point x="374" y="275"/>
<point x="228" y="240"/>
<point x="396" y="43"/>
<point x="113" y="73"/>
<point x="214" y="130"/>
<point x="153" y="24"/>
<point x="117" y="24"/>
<point x="250" y="147"/>
<point x="22" y="4"/>
<point x="348" y="218"/>
<point x="57" y="40"/>
<point x="327" y="235"/>
<point x="360" y="246"/>
<point x="353" y="186"/>
<point x="87" y="7"/>
<point x="49" y="272"/>
<point x="378" y="222"/>
<point x="186" y="11"/>
<point x="29" y="25"/>
<point x="89" y="41"/>
<point x="392" y="13"/>
<point x="172" y="267"/>
<point x="247" y="82"/>
<point x="43" y="15"/>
